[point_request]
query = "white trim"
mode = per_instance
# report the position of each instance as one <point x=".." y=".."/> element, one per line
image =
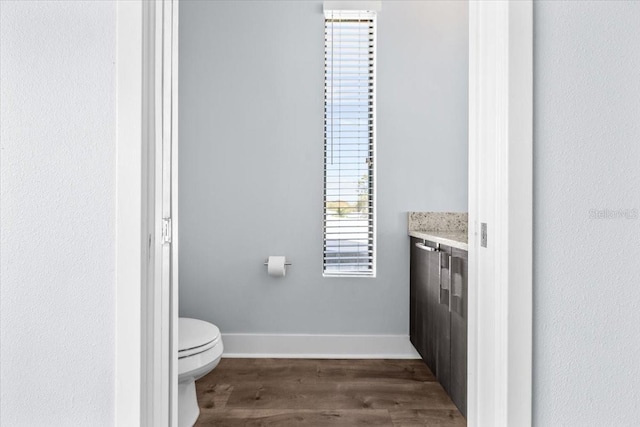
<point x="146" y="353"/>
<point x="500" y="194"/>
<point x="352" y="5"/>
<point x="520" y="213"/>
<point x="129" y="213"/>
<point x="311" y="346"/>
<point x="155" y="336"/>
<point x="159" y="407"/>
<point x="171" y="51"/>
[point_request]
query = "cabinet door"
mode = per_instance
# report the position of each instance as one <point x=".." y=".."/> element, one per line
<point x="418" y="297"/>
<point x="413" y="286"/>
<point x="423" y="277"/>
<point x="430" y="320"/>
<point x="458" y="320"/>
<point x="442" y="326"/>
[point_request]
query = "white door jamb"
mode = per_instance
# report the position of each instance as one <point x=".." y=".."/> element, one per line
<point x="500" y="196"/>
<point x="130" y="220"/>
<point x="146" y="176"/>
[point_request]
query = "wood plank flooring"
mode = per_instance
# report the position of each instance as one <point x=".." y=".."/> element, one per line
<point x="305" y="392"/>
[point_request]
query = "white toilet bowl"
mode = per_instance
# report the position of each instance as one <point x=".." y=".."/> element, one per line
<point x="199" y="351"/>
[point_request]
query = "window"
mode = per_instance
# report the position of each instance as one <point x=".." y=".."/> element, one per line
<point x="349" y="144"/>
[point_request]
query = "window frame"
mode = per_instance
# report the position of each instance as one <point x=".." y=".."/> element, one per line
<point x="370" y="16"/>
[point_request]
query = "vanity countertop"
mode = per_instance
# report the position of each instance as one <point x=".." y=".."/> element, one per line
<point x="446" y="228"/>
<point x="455" y="239"/>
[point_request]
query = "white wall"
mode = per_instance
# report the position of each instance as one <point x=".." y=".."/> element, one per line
<point x="251" y="150"/>
<point x="58" y="210"/>
<point x="586" y="156"/>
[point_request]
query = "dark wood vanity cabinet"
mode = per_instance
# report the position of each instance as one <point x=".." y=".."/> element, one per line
<point x="438" y="314"/>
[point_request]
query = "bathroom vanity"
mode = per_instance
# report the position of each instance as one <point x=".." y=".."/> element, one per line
<point x="438" y="304"/>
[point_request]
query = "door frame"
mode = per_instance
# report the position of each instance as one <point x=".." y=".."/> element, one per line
<point x="500" y="195"/>
<point x="146" y="355"/>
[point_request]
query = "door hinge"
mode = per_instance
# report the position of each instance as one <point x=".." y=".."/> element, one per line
<point x="166" y="230"/>
<point x="483" y="234"/>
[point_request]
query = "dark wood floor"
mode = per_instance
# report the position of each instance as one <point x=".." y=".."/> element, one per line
<point x="294" y="392"/>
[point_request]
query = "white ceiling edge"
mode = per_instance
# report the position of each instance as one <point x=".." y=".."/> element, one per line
<point x="369" y="5"/>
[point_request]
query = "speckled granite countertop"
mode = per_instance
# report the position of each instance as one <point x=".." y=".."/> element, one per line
<point x="446" y="228"/>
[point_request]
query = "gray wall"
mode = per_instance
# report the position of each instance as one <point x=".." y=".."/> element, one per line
<point x="57" y="192"/>
<point x="586" y="156"/>
<point x="251" y="148"/>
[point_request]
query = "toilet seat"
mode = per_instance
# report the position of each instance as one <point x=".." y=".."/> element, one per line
<point x="196" y="350"/>
<point x="196" y="336"/>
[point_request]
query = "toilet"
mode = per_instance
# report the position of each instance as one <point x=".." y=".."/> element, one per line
<point x="199" y="351"/>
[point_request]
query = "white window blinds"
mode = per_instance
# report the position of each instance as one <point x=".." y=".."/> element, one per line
<point x="349" y="144"/>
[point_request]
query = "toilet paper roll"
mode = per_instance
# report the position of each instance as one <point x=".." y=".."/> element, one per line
<point x="276" y="266"/>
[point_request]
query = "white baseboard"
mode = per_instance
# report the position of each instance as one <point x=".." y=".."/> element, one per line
<point x="318" y="346"/>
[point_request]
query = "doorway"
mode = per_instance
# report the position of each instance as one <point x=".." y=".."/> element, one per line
<point x="499" y="365"/>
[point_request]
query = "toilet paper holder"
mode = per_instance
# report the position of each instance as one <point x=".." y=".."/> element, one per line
<point x="267" y="263"/>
